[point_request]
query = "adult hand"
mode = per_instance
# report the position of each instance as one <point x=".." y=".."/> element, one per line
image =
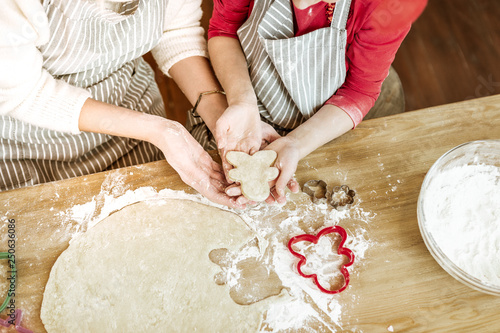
<point x="238" y="129"/>
<point x="194" y="165"/>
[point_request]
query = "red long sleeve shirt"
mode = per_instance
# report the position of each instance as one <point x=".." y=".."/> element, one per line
<point x="375" y="30"/>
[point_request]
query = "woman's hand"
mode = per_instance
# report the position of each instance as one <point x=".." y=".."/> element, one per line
<point x="194" y="165"/>
<point x="239" y="128"/>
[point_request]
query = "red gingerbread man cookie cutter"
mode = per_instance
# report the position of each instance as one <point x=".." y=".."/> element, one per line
<point x="341" y="250"/>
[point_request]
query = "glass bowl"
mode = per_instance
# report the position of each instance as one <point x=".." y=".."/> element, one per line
<point x="485" y="152"/>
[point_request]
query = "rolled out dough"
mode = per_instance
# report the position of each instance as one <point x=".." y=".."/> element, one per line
<point x="146" y="268"/>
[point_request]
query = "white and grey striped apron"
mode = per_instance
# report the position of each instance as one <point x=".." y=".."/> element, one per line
<point x="292" y="76"/>
<point x="99" y="50"/>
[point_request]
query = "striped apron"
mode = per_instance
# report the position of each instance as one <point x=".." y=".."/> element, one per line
<point x="292" y="76"/>
<point x="99" y="50"/>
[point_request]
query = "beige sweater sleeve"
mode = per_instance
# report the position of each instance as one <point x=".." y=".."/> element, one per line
<point x="183" y="35"/>
<point x="27" y="91"/>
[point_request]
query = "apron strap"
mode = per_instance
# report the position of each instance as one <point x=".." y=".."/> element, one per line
<point x="277" y="22"/>
<point x="340" y="14"/>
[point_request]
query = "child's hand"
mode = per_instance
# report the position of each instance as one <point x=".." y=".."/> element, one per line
<point x="286" y="162"/>
<point x="239" y="128"/>
<point x="269" y="135"/>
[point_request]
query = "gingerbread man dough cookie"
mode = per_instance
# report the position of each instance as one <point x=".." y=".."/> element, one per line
<point x="253" y="172"/>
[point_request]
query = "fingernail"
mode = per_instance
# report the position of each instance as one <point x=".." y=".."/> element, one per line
<point x="231" y="191"/>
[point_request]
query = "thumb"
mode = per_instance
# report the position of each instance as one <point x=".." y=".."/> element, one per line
<point x="226" y="166"/>
<point x="286" y="173"/>
<point x="273" y="135"/>
<point x="221" y="136"/>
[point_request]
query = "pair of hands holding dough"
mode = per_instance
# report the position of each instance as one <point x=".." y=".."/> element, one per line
<point x="198" y="170"/>
<point x="193" y="164"/>
<point x="240" y="134"/>
<point x="253" y="173"/>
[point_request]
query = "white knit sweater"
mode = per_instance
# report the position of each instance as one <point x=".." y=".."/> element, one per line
<point x="29" y="93"/>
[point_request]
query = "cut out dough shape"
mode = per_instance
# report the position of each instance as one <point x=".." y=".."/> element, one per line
<point x="146" y="268"/>
<point x="253" y="172"/>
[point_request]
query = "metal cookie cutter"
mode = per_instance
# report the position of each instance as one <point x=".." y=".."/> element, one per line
<point x="341" y="197"/>
<point x="316" y="189"/>
<point x="341" y="250"/>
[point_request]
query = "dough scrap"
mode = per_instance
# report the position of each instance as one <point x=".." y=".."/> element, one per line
<point x="253" y="172"/>
<point x="146" y="268"/>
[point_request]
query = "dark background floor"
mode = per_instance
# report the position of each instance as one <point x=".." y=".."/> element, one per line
<point x="451" y="54"/>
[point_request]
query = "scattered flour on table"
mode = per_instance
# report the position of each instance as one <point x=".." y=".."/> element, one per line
<point x="296" y="311"/>
<point x="462" y="211"/>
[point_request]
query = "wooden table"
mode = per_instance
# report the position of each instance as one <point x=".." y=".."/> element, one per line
<point x="400" y="286"/>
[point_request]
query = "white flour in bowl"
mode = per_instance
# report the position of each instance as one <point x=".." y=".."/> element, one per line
<point x="462" y="212"/>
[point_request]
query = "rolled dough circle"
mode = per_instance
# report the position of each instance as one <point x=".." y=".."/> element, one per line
<point x="146" y="268"/>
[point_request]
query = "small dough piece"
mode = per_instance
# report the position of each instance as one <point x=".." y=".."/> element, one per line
<point x="146" y="268"/>
<point x="253" y="172"/>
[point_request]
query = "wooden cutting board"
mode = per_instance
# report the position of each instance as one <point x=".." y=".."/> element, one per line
<point x="399" y="287"/>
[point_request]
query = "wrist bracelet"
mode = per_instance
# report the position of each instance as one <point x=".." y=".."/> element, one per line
<point x="203" y="94"/>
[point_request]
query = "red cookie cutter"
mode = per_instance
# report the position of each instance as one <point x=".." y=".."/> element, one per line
<point x="341" y="250"/>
